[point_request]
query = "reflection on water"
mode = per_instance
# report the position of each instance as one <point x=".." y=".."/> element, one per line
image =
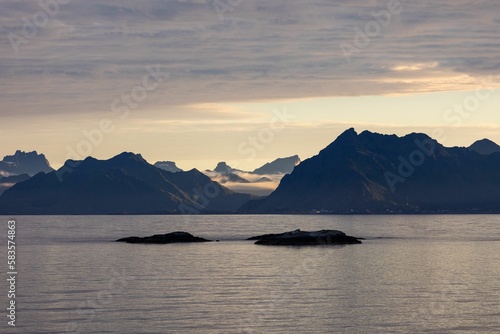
<point x="414" y="274"/>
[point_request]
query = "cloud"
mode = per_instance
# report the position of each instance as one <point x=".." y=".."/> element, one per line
<point x="91" y="51"/>
<point x="259" y="189"/>
<point x="260" y="185"/>
<point x="415" y="67"/>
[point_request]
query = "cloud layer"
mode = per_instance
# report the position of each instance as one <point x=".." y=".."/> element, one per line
<point x="89" y="52"/>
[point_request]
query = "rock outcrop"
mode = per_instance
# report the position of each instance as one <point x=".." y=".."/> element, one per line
<point x="169" y="238"/>
<point x="304" y="238"/>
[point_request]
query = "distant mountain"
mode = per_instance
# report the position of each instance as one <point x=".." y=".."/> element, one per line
<point x="230" y="177"/>
<point x="264" y="179"/>
<point x="24" y="163"/>
<point x="485" y="146"/>
<point x="9" y="181"/>
<point x="224" y="173"/>
<point x="224" y="168"/>
<point x="260" y="183"/>
<point x="374" y="173"/>
<point x="125" y="184"/>
<point x="169" y="166"/>
<point x="279" y="166"/>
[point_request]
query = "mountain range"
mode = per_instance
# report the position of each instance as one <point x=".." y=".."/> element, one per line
<point x="355" y="174"/>
<point x="374" y="173"/>
<point x="124" y="184"/>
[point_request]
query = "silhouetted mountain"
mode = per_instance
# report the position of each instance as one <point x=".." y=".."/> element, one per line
<point x="24" y="163"/>
<point x="169" y="166"/>
<point x="223" y="168"/>
<point x="9" y="181"/>
<point x="125" y="184"/>
<point x="373" y="173"/>
<point x="279" y="166"/>
<point x="485" y="146"/>
<point x="264" y="179"/>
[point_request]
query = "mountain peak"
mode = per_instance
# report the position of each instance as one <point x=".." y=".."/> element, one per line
<point x="128" y="156"/>
<point x="484" y="146"/>
<point x="279" y="166"/>
<point x="223" y="168"/>
<point x="24" y="162"/>
<point x="23" y="155"/>
<point x="169" y="166"/>
<point x="347" y="139"/>
<point x="351" y="131"/>
<point x="32" y="153"/>
<point x="349" y="135"/>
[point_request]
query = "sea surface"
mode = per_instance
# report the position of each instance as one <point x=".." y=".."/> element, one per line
<point x="412" y="274"/>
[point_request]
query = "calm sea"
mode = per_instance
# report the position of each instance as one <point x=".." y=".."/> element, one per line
<point x="413" y="274"/>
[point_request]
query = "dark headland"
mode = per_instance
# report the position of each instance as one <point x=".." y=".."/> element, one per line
<point x="370" y="173"/>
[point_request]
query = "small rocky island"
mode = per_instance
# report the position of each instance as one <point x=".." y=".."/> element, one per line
<point x="293" y="238"/>
<point x="304" y="238"/>
<point x="161" y="239"/>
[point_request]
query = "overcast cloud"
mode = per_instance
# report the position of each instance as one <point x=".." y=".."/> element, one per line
<point x="92" y="51"/>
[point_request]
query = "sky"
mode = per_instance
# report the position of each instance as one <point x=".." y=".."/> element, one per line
<point x="242" y="81"/>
